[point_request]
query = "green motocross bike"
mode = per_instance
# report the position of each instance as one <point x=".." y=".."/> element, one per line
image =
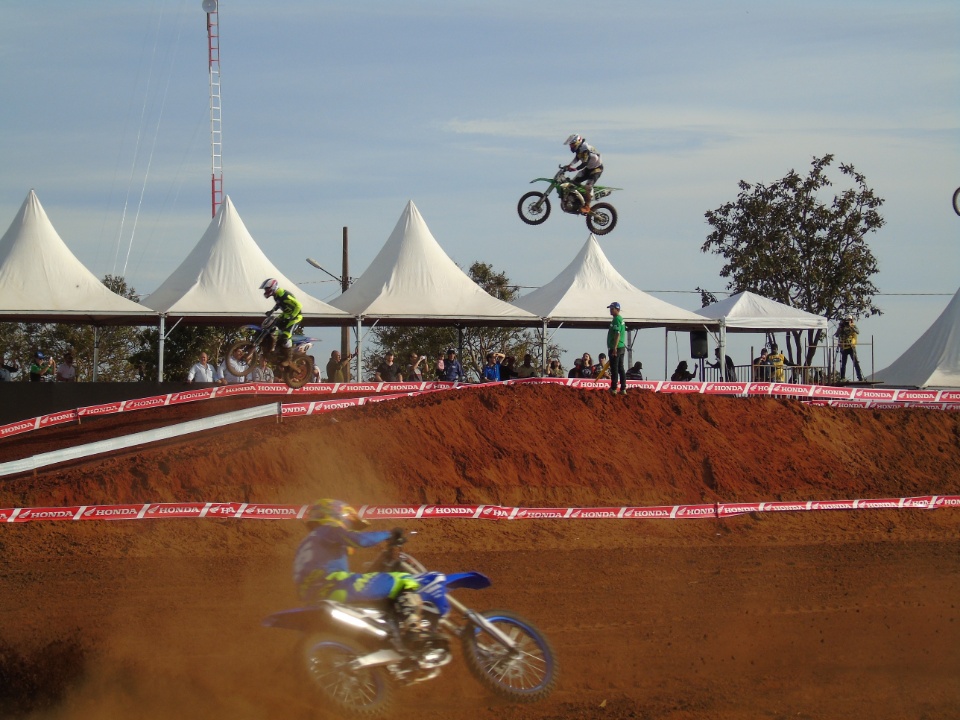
<point x="534" y="207"/>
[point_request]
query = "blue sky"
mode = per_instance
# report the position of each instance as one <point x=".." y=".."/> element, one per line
<point x="336" y="114"/>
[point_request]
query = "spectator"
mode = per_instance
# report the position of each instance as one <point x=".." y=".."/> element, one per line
<point x="9" y="368"/>
<point x="67" y="371"/>
<point x="412" y="372"/>
<point x="508" y="369"/>
<point x="452" y="370"/>
<point x="527" y="370"/>
<point x="388" y="370"/>
<point x="554" y="369"/>
<point x="776" y="360"/>
<point x="586" y="367"/>
<point x="203" y="371"/>
<point x="602" y="368"/>
<point x="315" y="377"/>
<point x="681" y="374"/>
<point x="636" y="371"/>
<point x="337" y="370"/>
<point x="491" y="371"/>
<point x="617" y="346"/>
<point x="847" y="340"/>
<point x="729" y="369"/>
<point x="42" y="368"/>
<point x="263" y="372"/>
<point x="227" y="377"/>
<point x="577" y="368"/>
<point x="761" y="367"/>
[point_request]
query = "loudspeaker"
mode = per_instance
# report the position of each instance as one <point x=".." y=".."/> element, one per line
<point x="698" y="344"/>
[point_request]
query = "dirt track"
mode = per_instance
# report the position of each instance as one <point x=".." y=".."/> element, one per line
<point x="821" y="615"/>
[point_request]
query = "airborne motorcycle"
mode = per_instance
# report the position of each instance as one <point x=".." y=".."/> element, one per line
<point x="534" y="207"/>
<point x="297" y="374"/>
<point x="353" y="655"/>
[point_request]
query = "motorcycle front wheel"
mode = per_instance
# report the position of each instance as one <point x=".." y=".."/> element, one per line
<point x="249" y="359"/>
<point x="602" y="218"/>
<point x="526" y="673"/>
<point x="364" y="693"/>
<point x="534" y="208"/>
<point x="299" y="372"/>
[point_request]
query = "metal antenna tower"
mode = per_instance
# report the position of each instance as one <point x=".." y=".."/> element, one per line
<point x="210" y="7"/>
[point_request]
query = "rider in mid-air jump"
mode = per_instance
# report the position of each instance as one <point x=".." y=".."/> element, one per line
<point x="589" y="170"/>
<point x="290" y="317"/>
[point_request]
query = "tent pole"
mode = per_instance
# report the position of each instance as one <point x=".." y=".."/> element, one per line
<point x="543" y="349"/>
<point x="666" y="339"/>
<point x="163" y="324"/>
<point x="96" y="352"/>
<point x="359" y="349"/>
<point x="722" y="360"/>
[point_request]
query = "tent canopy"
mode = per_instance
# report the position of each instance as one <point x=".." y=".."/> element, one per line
<point x="748" y="312"/>
<point x="412" y="281"/>
<point x="220" y="279"/>
<point x="42" y="281"/>
<point x="934" y="359"/>
<point x="579" y="295"/>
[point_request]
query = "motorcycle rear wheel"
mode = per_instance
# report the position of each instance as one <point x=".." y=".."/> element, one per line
<point x="526" y="675"/>
<point x="602" y="218"/>
<point x="365" y="693"/>
<point x="534" y="208"/>
<point x="251" y="358"/>
<point x="299" y="372"/>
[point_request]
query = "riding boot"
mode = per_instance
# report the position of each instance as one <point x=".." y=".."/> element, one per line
<point x="269" y="344"/>
<point x="286" y="355"/>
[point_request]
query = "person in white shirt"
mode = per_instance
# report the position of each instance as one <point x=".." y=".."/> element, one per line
<point x="203" y="371"/>
<point x="263" y="373"/>
<point x="67" y="371"/>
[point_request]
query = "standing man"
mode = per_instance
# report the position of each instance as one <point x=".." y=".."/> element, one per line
<point x="203" y="371"/>
<point x="847" y="339"/>
<point x="617" y="346"/>
<point x="452" y="369"/>
<point x="337" y="371"/>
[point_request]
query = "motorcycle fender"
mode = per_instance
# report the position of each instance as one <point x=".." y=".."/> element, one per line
<point x="468" y="580"/>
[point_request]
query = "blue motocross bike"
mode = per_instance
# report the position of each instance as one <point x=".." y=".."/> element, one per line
<point x="353" y="656"/>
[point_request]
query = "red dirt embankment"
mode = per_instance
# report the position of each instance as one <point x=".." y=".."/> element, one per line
<point x="815" y="615"/>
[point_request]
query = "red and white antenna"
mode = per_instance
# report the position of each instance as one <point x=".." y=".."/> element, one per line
<point x="210" y="7"/>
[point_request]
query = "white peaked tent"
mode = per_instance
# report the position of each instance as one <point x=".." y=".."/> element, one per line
<point x="579" y="295"/>
<point x="748" y="312"/>
<point x="934" y="359"/>
<point x="219" y="280"/>
<point x="42" y="281"/>
<point x="412" y="281"/>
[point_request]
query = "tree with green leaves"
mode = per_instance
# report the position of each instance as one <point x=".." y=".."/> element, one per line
<point x="476" y="341"/>
<point x="790" y="242"/>
<point x="181" y="349"/>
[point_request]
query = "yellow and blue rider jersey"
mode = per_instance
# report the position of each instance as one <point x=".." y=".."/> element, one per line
<point x="287" y="303"/>
<point x="325" y="548"/>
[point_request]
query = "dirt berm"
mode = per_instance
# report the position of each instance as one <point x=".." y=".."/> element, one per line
<point x="831" y="614"/>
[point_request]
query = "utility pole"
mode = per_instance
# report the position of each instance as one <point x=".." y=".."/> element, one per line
<point x="211" y="8"/>
<point x="344" y="286"/>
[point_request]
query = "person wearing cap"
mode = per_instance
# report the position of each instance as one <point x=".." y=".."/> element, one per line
<point x="491" y="371"/>
<point x="575" y="371"/>
<point x="617" y="348"/>
<point x="452" y="369"/>
<point x="42" y="368"/>
<point x="847" y="341"/>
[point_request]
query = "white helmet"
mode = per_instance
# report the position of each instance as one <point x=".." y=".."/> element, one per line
<point x="574" y="141"/>
<point x="269" y="287"/>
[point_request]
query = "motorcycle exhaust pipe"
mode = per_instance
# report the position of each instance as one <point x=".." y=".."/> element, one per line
<point x="356" y="620"/>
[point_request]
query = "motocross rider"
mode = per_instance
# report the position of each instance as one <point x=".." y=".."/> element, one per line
<point x="290" y="317"/>
<point x="589" y="170"/>
<point x="321" y="569"/>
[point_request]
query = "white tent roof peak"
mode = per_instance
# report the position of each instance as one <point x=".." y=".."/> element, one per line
<point x="749" y="312"/>
<point x="934" y="359"/>
<point x="41" y="278"/>
<point x="580" y="294"/>
<point x="412" y="278"/>
<point x="221" y="277"/>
